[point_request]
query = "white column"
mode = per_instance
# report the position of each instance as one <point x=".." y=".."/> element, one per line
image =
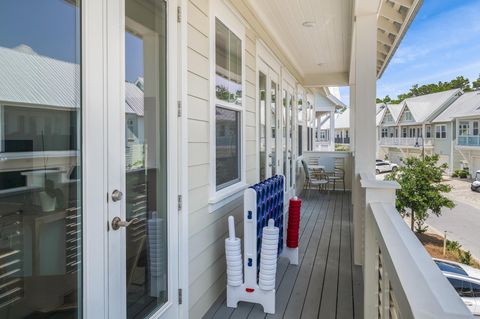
<point x="365" y="118"/>
<point x="332" y="131"/>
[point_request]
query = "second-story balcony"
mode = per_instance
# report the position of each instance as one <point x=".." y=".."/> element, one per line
<point x="468" y="140"/>
<point x="406" y="141"/>
<point x="342" y="140"/>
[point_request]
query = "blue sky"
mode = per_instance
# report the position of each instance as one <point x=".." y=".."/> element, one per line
<point x="51" y="28"/>
<point x="442" y="42"/>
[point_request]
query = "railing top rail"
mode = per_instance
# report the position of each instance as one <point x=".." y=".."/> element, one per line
<point x="421" y="289"/>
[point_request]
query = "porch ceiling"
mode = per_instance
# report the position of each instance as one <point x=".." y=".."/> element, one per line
<point x="321" y="52"/>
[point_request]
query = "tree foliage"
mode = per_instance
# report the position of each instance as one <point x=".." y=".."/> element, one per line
<point x="421" y="189"/>
<point x="460" y="82"/>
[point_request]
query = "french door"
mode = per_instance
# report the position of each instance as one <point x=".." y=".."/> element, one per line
<point x="88" y="175"/>
<point x="288" y="101"/>
<point x="143" y="250"/>
<point x="268" y="108"/>
<point x="140" y="272"/>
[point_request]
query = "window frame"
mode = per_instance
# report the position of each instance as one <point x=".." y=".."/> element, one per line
<point x="439" y="131"/>
<point x="218" y="198"/>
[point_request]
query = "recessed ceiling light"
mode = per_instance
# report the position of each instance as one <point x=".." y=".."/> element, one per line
<point x="309" y="24"/>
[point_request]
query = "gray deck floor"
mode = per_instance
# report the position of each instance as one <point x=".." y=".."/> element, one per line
<point x="325" y="284"/>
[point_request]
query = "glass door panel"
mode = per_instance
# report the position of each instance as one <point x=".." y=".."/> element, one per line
<point x="262" y="83"/>
<point x="273" y="127"/>
<point x="40" y="160"/>
<point x="290" y="137"/>
<point x="285" y="133"/>
<point x="146" y="156"/>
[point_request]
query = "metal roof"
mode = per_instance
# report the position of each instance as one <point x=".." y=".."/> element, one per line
<point x="425" y="106"/>
<point x="29" y="78"/>
<point x="32" y="79"/>
<point x="342" y="120"/>
<point x="466" y="105"/>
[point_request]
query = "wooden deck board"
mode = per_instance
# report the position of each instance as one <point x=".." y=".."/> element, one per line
<point x="325" y="284"/>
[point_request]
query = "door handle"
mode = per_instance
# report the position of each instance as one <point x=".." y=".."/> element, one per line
<point x="117" y="222"/>
<point x="117" y="195"/>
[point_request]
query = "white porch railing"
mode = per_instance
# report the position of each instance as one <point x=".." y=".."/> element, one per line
<point x="400" y="278"/>
<point x="406" y="141"/>
<point x="468" y="140"/>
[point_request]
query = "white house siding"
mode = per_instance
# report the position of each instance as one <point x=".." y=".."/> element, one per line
<point x="207" y="230"/>
<point x="443" y="146"/>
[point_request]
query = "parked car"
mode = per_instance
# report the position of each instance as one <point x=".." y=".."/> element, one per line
<point x="468" y="289"/>
<point x="476" y="182"/>
<point x="385" y="166"/>
<point x="457" y="268"/>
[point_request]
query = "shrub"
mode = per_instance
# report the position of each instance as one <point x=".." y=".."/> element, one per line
<point x="460" y="173"/>
<point x="465" y="257"/>
<point x="453" y="245"/>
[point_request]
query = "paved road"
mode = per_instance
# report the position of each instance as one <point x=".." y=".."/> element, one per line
<point x="462" y="224"/>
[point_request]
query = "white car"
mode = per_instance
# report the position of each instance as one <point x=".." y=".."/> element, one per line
<point x="457" y="268"/>
<point x="476" y="182"/>
<point x="468" y="289"/>
<point x="385" y="166"/>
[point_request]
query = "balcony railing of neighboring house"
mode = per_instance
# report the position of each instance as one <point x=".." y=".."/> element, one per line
<point x="468" y="140"/>
<point x="342" y="140"/>
<point x="406" y="141"/>
<point x="400" y="278"/>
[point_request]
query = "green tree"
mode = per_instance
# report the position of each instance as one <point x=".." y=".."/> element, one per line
<point x="421" y="189"/>
<point x="460" y="82"/>
<point x="476" y="83"/>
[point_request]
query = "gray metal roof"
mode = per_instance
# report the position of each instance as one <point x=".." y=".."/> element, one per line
<point x="32" y="79"/>
<point x="425" y="106"/>
<point x="29" y="78"/>
<point x="466" y="105"/>
<point x="395" y="110"/>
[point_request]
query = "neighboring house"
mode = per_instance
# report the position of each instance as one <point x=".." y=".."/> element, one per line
<point x="463" y="116"/>
<point x="411" y="128"/>
<point x="342" y="127"/>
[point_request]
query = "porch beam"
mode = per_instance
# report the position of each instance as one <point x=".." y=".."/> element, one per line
<point x="404" y="3"/>
<point x="383" y="38"/>
<point x="391" y="14"/>
<point x="387" y="25"/>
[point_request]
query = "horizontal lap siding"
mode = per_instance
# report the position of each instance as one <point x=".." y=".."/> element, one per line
<point x="207" y="230"/>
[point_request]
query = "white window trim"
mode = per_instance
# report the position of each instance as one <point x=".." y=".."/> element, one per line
<point x="440" y="127"/>
<point x="218" y="198"/>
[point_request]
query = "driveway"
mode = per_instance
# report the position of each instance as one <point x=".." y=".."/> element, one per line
<point x="462" y="223"/>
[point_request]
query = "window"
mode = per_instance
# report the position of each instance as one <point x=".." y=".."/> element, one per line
<point x="384" y="132"/>
<point x="228" y="107"/>
<point x="300" y="139"/>
<point x="262" y="100"/>
<point x="463" y="288"/>
<point x="227" y="147"/>
<point x="404" y="132"/>
<point x="228" y="59"/>
<point x="407" y="116"/>
<point x="463" y="128"/>
<point x="440" y="131"/>
<point x="35" y="129"/>
<point x="428" y="133"/>
<point x="475" y="128"/>
<point x="388" y="117"/>
<point x="476" y="290"/>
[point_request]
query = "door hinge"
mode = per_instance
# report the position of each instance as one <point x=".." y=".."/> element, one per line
<point x="180" y="296"/>
<point x="179" y="14"/>
<point x="179" y="108"/>
<point x="179" y="202"/>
